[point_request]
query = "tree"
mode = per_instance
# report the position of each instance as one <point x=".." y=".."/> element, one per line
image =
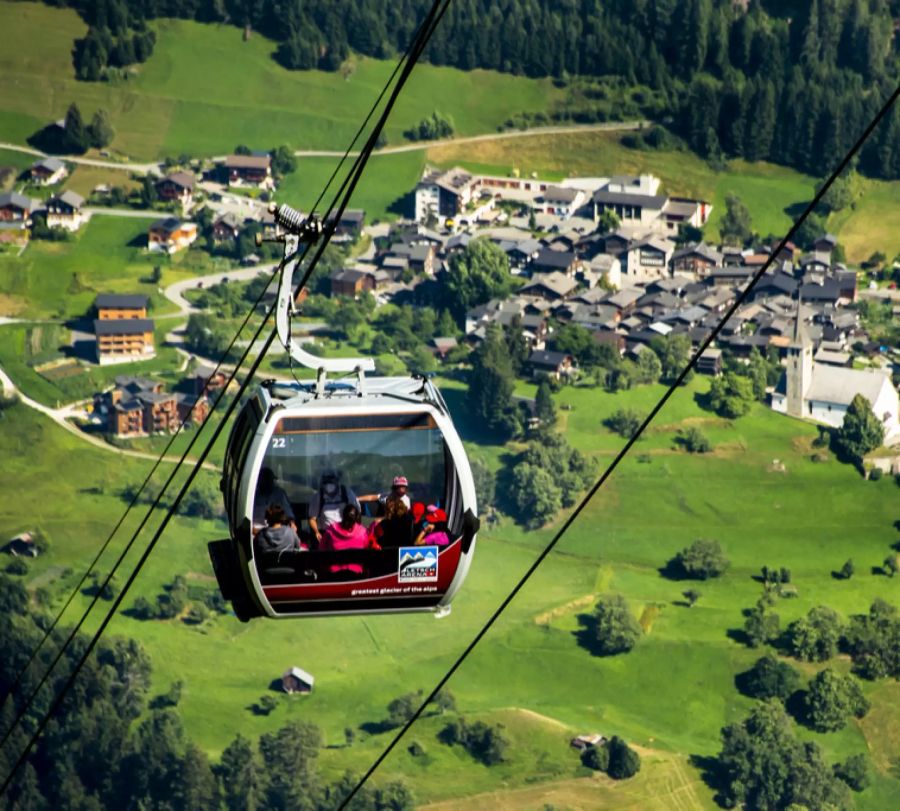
<point x="731" y="395"/>
<point x="674" y="351"/>
<point x="854" y="771"/>
<point x="607" y="222"/>
<point x="289" y="755"/>
<point x="649" y="367"/>
<point x="616" y="629"/>
<point x="401" y="709"/>
<point x="202" y="500"/>
<point x="77" y="139"/>
<point x="770" y="678"/>
<point x="485" y="484"/>
<point x="763" y="765"/>
<point x="624" y="421"/>
<point x="536" y="494"/>
<point x="100" y="132"/>
<point x="445" y="701"/>
<point x="596" y="758"/>
<point x="847" y="569"/>
<point x="735" y="227"/>
<point x="284" y="162"/>
<point x="691" y="595"/>
<point x="694" y="440"/>
<point x="814" y="638"/>
<point x="860" y="432"/>
<point x="831" y="699"/>
<point x="543" y="403"/>
<point x="476" y="274"/>
<point x="624" y="762"/>
<point x="890" y="565"/>
<point x="702" y="560"/>
<point x="873" y="640"/>
<point x="491" y="387"/>
<point x="761" y="624"/>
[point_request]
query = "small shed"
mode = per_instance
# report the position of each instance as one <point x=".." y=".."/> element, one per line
<point x="582" y="742"/>
<point x="297" y="680"/>
<point x="22" y="544"/>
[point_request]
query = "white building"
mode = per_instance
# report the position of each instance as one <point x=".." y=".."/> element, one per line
<point x="65" y="211"/>
<point x="823" y="393"/>
<point x="647" y="260"/>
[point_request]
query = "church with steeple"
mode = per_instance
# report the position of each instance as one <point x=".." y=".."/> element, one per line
<point x="823" y="393"/>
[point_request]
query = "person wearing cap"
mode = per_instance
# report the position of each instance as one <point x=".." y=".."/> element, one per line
<point x="399" y="489"/>
<point x="434" y="531"/>
<point x="327" y="505"/>
<point x="268" y="493"/>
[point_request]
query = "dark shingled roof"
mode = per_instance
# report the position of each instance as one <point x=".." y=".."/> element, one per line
<point x="131" y="302"/>
<point x="123" y="326"/>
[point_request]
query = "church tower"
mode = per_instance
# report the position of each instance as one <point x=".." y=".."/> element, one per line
<point x="799" y="365"/>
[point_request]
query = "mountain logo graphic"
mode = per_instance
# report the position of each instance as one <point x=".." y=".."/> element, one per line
<point x="417" y="564"/>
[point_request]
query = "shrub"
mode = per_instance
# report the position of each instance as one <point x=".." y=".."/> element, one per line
<point x="624" y="762"/>
<point x="596" y="758"/>
<point x="624" y="421"/>
<point x="702" y="560"/>
<point x="17" y="566"/>
<point x="769" y="678"/>
<point x="875" y="474"/>
<point x="695" y="441"/>
<point x="854" y="771"/>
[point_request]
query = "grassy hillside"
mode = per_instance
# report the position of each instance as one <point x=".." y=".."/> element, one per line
<point x="809" y="517"/>
<point x="205" y="90"/>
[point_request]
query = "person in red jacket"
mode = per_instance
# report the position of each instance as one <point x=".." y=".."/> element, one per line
<point x="349" y="533"/>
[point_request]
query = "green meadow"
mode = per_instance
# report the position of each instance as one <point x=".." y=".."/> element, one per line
<point x="204" y="90"/>
<point x="758" y="493"/>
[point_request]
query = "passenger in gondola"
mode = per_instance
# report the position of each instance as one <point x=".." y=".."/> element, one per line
<point x="434" y="531"/>
<point x="268" y="493"/>
<point x="278" y="535"/>
<point x="327" y="505"/>
<point x="348" y="533"/>
<point x="399" y="489"/>
<point x="396" y="528"/>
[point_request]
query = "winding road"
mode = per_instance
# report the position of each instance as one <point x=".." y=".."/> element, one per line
<point x="158" y="169"/>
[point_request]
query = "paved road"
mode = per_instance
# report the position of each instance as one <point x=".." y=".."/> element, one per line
<point x="623" y="126"/>
<point x="62" y="415"/>
<point x="157" y="169"/>
<point x="143" y="168"/>
<point x="175" y="292"/>
<point x="135" y="213"/>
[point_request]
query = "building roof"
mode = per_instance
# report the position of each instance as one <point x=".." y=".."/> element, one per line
<point x="248" y="161"/>
<point x="133" y="301"/>
<point x="15" y="199"/>
<point x="614" y="198"/>
<point x="544" y="357"/>
<point x="561" y="194"/>
<point x="70" y="198"/>
<point x="557" y="283"/>
<point x="184" y="179"/>
<point x="554" y="259"/>
<point x="167" y="224"/>
<point x="839" y="385"/>
<point x="123" y="326"/>
<point x="51" y="164"/>
<point x="299" y="673"/>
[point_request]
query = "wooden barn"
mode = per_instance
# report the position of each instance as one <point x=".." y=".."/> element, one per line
<point x="297" y="680"/>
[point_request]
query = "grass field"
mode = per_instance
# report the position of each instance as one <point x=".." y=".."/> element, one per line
<point x="808" y="518"/>
<point x="193" y="95"/>
<point x="62" y="279"/>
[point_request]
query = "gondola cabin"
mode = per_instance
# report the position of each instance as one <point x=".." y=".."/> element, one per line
<point x="294" y="444"/>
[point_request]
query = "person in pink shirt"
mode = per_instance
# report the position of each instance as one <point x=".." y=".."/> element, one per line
<point x="434" y="531"/>
<point x="349" y="533"/>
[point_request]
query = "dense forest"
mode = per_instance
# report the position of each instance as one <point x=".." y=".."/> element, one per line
<point x="735" y="78"/>
<point x="112" y="745"/>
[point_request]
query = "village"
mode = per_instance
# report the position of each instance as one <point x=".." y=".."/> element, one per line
<point x="607" y="255"/>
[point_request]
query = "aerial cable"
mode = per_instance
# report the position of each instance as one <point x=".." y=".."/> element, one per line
<point x="704" y="345"/>
<point x="134" y="500"/>
<point x="155" y="504"/>
<point x="413" y="54"/>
